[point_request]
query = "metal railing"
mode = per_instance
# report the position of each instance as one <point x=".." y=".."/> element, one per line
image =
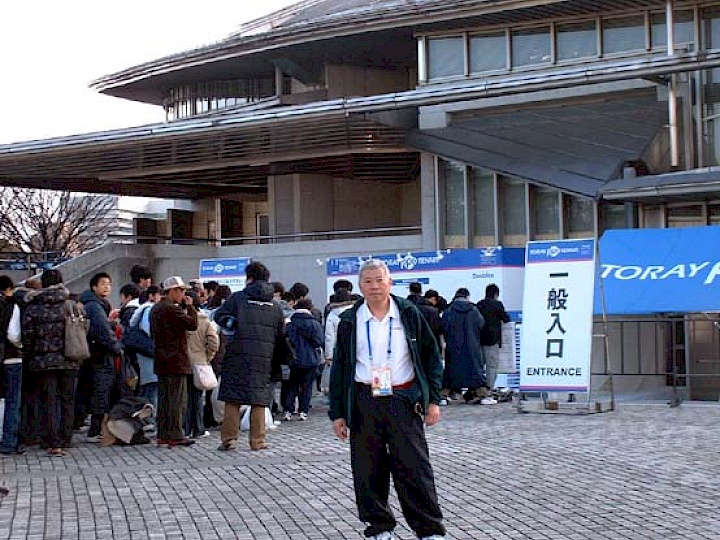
<point x="266" y="239"/>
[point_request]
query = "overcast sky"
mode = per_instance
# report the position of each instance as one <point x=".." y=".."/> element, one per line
<point x="50" y="50"/>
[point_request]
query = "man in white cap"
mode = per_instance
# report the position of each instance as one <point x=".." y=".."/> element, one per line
<point x="170" y="320"/>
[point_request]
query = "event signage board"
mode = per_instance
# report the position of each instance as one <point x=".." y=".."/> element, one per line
<point x="556" y="342"/>
<point x="644" y="271"/>
<point x="445" y="271"/>
<point x="230" y="272"/>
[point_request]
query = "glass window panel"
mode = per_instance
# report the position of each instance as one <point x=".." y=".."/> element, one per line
<point x="453" y="177"/>
<point x="482" y="191"/>
<point x="531" y="46"/>
<point x="623" y="34"/>
<point x="577" y="40"/>
<point x="446" y="57"/>
<point x="488" y="52"/>
<point x="685" y="216"/>
<point x="512" y="204"/>
<point x="714" y="215"/>
<point x="613" y="216"/>
<point x="545" y="213"/>
<point x="580" y="216"/>
<point x="684" y="29"/>
<point x="710" y="25"/>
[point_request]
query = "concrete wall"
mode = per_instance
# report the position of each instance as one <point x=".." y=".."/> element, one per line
<point x="291" y="262"/>
<point x="345" y="81"/>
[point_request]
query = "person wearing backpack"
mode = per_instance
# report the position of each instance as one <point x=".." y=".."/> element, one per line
<point x="139" y="332"/>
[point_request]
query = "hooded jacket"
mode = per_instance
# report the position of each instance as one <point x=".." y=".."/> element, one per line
<point x="494" y="314"/>
<point x="203" y="343"/>
<point x="43" y="329"/>
<point x="464" y="363"/>
<point x="101" y="338"/>
<point x="257" y="338"/>
<point x="331" y="325"/>
<point x="307" y="336"/>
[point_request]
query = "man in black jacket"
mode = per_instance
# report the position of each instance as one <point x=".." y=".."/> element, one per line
<point x="494" y="314"/>
<point x="257" y="329"/>
<point x="385" y="383"/>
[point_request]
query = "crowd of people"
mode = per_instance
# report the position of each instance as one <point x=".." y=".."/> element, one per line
<point x="377" y="357"/>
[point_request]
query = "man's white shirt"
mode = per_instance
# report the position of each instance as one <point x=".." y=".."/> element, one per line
<point x="400" y="362"/>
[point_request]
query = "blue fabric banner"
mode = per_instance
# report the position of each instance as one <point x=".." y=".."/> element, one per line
<point x="646" y="271"/>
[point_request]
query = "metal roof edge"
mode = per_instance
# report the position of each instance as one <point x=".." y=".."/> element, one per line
<point x="301" y="33"/>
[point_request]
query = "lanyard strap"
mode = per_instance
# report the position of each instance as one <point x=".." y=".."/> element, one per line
<point x="369" y="342"/>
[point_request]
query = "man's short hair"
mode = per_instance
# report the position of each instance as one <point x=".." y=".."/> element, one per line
<point x="299" y="290"/>
<point x="373" y="264"/>
<point x="131" y="290"/>
<point x="415" y="288"/>
<point x="51" y="277"/>
<point x="139" y="272"/>
<point x="96" y="279"/>
<point x="492" y="290"/>
<point x="431" y="293"/>
<point x="305" y="303"/>
<point x="257" y="271"/>
<point x="6" y="283"/>
<point x="342" y="284"/>
<point x="211" y="285"/>
<point x="343" y="295"/>
<point x="462" y="292"/>
<point x="278" y="288"/>
<point x="147" y="293"/>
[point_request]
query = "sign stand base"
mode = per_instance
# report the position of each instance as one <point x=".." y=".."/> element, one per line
<point x="553" y="406"/>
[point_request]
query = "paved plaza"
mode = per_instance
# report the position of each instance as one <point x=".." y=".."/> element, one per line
<point x="642" y="472"/>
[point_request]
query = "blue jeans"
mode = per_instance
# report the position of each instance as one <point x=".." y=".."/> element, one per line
<point x="194" y="422"/>
<point x="13" y="393"/>
<point x="149" y="391"/>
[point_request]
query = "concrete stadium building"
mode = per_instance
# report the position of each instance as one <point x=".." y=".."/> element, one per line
<point x="338" y="127"/>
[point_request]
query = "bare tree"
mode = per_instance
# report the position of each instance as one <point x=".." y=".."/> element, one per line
<point x="59" y="222"/>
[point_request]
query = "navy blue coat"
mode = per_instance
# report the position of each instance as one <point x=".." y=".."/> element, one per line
<point x="464" y="359"/>
<point x="258" y="329"/>
<point x="307" y="335"/>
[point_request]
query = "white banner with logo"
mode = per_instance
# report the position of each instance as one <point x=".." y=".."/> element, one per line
<point x="556" y="343"/>
<point x="230" y="272"/>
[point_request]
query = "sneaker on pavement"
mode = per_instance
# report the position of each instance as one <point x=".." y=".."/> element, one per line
<point x="387" y="535"/>
<point x="287" y="416"/>
<point x="443" y="402"/>
<point x="303" y="416"/>
<point x="487" y="401"/>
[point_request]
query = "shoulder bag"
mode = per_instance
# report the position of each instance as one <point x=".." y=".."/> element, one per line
<point x="76" y="329"/>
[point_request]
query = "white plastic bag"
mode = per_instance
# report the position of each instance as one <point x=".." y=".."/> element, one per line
<point x="218" y="406"/>
<point x="245" y="422"/>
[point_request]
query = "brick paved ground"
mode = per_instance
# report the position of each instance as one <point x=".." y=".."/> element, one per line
<point x="643" y="472"/>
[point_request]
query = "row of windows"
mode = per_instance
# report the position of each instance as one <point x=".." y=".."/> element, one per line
<point x="192" y="99"/>
<point x="479" y="208"/>
<point x="558" y="42"/>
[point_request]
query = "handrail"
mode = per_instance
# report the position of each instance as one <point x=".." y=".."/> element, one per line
<point x="262" y="239"/>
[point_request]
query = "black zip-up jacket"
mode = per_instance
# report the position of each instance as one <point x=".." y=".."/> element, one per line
<point x="423" y="351"/>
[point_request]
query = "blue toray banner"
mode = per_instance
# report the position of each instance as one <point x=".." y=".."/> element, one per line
<point x="647" y="271"/>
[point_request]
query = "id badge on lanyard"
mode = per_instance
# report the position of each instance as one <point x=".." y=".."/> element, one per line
<point x="381" y="375"/>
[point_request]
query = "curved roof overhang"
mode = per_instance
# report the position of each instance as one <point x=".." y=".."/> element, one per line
<point x="209" y="158"/>
<point x="390" y="21"/>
